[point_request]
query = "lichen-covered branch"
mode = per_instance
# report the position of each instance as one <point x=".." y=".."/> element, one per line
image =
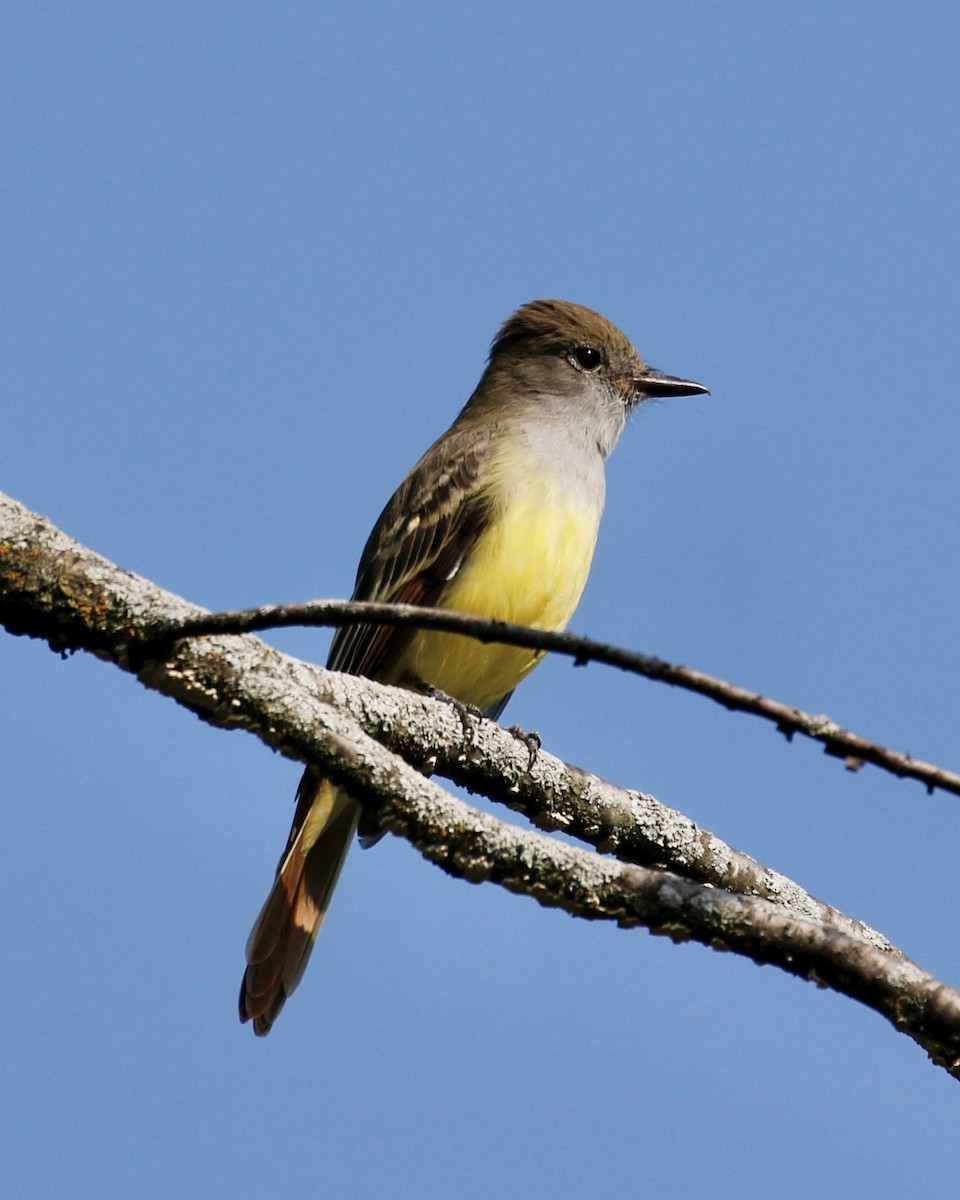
<point x="51" y="587"/>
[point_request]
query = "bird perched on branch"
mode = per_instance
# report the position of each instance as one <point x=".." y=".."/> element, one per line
<point x="499" y="518"/>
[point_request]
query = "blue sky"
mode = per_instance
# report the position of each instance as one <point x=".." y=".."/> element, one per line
<point x="253" y="258"/>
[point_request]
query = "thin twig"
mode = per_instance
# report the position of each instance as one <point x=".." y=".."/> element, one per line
<point x="854" y="749"/>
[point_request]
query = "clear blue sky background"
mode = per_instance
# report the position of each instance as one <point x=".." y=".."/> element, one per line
<point x="253" y="258"/>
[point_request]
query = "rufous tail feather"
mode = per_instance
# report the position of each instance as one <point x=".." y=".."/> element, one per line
<point x="285" y="931"/>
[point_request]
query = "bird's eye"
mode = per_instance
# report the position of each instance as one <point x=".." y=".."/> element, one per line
<point x="587" y="358"/>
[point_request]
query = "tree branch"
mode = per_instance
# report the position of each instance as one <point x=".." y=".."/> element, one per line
<point x="54" y="588"/>
<point x="51" y="587"/>
<point x="854" y="749"/>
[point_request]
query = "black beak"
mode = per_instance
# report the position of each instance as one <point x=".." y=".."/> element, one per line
<point x="655" y="383"/>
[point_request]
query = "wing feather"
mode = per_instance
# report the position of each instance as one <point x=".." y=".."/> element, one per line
<point x="417" y="545"/>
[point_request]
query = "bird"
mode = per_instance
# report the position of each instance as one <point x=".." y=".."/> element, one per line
<point x="499" y="519"/>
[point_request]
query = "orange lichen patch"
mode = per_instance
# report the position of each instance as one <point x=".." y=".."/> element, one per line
<point x="93" y="610"/>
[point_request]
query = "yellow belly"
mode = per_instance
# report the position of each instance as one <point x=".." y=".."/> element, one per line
<point x="529" y="568"/>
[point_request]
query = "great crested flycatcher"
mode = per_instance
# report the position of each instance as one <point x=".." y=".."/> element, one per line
<point x="499" y="518"/>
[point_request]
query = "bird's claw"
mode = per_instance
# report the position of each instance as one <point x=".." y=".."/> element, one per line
<point x="532" y="742"/>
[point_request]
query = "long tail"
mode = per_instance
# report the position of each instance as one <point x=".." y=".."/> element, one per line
<point x="283" y="936"/>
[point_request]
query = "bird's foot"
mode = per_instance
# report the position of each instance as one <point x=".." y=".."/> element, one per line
<point x="469" y="714"/>
<point x="532" y="742"/>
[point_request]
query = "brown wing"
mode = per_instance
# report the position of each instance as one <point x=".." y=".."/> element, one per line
<point x="417" y="545"/>
<point x="415" y="549"/>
